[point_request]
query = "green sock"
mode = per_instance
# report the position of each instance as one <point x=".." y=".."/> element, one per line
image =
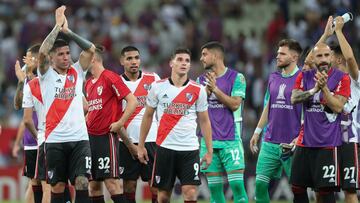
<point x="261" y="189"/>
<point x="216" y="187"/>
<point x="236" y="182"/>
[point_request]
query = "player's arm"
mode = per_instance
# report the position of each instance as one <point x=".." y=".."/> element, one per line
<point x="327" y="33"/>
<point x="260" y="126"/>
<point x="50" y="39"/>
<point x="19" y="137"/>
<point x="144" y="131"/>
<point x="28" y="121"/>
<point x="131" y="103"/>
<point x="336" y="101"/>
<point x="298" y="95"/>
<point x="88" y="48"/>
<point x="205" y="127"/>
<point x="20" y="74"/>
<point x="85" y="105"/>
<point x="231" y="102"/>
<point x="346" y="49"/>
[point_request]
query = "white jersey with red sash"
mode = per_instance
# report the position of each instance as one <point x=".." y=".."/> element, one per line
<point x="63" y="105"/>
<point x="32" y="98"/>
<point x="177" y="109"/>
<point x="140" y="89"/>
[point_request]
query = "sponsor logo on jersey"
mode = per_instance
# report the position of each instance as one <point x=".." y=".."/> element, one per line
<point x="281" y="92"/>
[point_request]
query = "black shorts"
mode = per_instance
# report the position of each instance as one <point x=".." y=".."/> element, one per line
<point x="40" y="170"/>
<point x="349" y="166"/>
<point x="131" y="169"/>
<point x="104" y="156"/>
<point x="30" y="156"/>
<point x="68" y="160"/>
<point x="316" y="168"/>
<point x="171" y="164"/>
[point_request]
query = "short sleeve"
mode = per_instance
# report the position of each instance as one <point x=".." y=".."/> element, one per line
<point x="79" y="69"/>
<point x="152" y="99"/>
<point x="118" y="86"/>
<point x="27" y="101"/>
<point x="239" y="87"/>
<point x="202" y="103"/>
<point x="343" y="88"/>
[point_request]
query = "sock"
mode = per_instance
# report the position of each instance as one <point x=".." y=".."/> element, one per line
<point x="97" y="199"/>
<point x="120" y="198"/>
<point x="236" y="182"/>
<point x="130" y="196"/>
<point x="300" y="194"/>
<point x="328" y="197"/>
<point x="57" y="197"/>
<point x="216" y="187"/>
<point x="154" y="198"/>
<point x="67" y="194"/>
<point x="38" y="193"/>
<point x="82" y="196"/>
<point x="262" y="189"/>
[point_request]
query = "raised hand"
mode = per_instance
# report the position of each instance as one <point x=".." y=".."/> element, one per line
<point x="339" y="23"/>
<point x="329" y="30"/>
<point x="20" y="74"/>
<point x="65" y="27"/>
<point x="60" y="16"/>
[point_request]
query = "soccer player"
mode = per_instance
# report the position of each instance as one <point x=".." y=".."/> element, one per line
<point x="104" y="91"/>
<point x="139" y="83"/>
<point x="226" y="91"/>
<point x="272" y="161"/>
<point x="66" y="139"/>
<point x="28" y="136"/>
<point x="178" y="102"/>
<point x="323" y="92"/>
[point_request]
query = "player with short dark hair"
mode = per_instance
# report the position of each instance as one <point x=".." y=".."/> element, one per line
<point x="279" y="139"/>
<point x="178" y="102"/>
<point x="67" y="147"/>
<point x="226" y="93"/>
<point x="139" y="82"/>
<point x="104" y="91"/>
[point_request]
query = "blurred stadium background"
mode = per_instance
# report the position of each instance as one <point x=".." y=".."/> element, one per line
<point x="249" y="29"/>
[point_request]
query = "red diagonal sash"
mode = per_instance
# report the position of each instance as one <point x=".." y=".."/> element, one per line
<point x="140" y="91"/>
<point x="168" y="121"/>
<point x="59" y="107"/>
<point x="35" y="89"/>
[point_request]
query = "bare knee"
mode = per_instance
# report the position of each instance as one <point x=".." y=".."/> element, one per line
<point x="113" y="186"/>
<point x="58" y="187"/>
<point x="81" y="183"/>
<point x="164" y="196"/>
<point x="189" y="192"/>
<point x="129" y="186"/>
<point x="95" y="188"/>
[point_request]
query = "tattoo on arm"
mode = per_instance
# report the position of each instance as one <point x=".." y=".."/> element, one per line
<point x="299" y="96"/>
<point x="49" y="40"/>
<point x="18" y="96"/>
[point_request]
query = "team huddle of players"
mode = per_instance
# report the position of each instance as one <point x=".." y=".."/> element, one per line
<point x="122" y="127"/>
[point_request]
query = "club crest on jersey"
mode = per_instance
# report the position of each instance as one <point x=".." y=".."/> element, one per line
<point x="121" y="169"/>
<point x="50" y="174"/>
<point x="189" y="96"/>
<point x="157" y="179"/>
<point x="281" y="92"/>
<point x="147" y="87"/>
<point x="71" y="78"/>
<point x="99" y="90"/>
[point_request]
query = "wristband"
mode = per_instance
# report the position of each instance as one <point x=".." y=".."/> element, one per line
<point x="258" y="130"/>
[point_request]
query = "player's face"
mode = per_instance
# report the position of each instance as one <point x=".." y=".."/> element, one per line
<point x="207" y="58"/>
<point x="61" y="57"/>
<point x="131" y="61"/>
<point x="31" y="60"/>
<point x="322" y="58"/>
<point x="284" y="57"/>
<point x="180" y="64"/>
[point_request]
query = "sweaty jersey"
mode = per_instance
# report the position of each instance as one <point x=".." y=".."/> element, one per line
<point x="177" y="108"/>
<point x="226" y="124"/>
<point x="104" y="96"/>
<point x="140" y="89"/>
<point x="63" y="105"/>
<point x="321" y="126"/>
<point x="33" y="99"/>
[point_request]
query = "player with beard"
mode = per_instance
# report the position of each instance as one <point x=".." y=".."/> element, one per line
<point x="272" y="161"/>
<point x="226" y="93"/>
<point x="139" y="83"/>
<point x="323" y="92"/>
